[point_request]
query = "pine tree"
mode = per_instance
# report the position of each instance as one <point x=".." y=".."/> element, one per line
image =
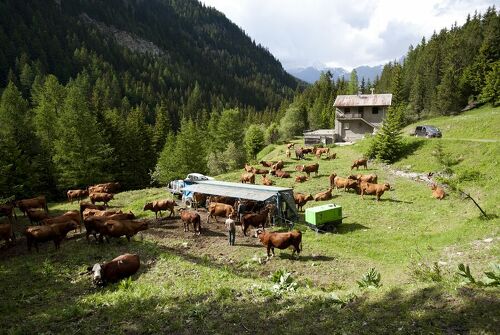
<point x="229" y="129"/>
<point x="353" y="83"/>
<point x="166" y="168"/>
<point x="162" y="127"/>
<point x="491" y="89"/>
<point x="387" y="144"/>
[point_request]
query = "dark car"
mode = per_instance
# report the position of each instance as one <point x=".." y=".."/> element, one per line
<point x="427" y="131"/>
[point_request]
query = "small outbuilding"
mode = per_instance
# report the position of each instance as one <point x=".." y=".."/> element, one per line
<point x="282" y="197"/>
<point x="320" y="136"/>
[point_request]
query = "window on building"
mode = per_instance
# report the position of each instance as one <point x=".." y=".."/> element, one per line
<point x="346" y="125"/>
<point x="347" y="110"/>
<point x="360" y="110"/>
<point x="375" y="110"/>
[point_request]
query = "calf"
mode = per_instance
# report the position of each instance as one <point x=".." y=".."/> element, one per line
<point x="373" y="189"/>
<point x="36" y="215"/>
<point x="161" y="205"/>
<point x="323" y="196"/>
<point x="127" y="228"/>
<point x="308" y="169"/>
<point x="359" y="162"/>
<point x="300" y="179"/>
<point x="190" y="217"/>
<point x="38" y="202"/>
<point x="266" y="181"/>
<point x="280" y="174"/>
<point x="301" y="200"/>
<point x="248" y="178"/>
<point x="437" y="192"/>
<point x="76" y="194"/>
<point x="6" y="233"/>
<point x="369" y="178"/>
<point x="279" y="240"/>
<point x="55" y="232"/>
<point x="121" y="267"/>
<point x="345" y="183"/>
<point x="101" y="197"/>
<point x="216" y="209"/>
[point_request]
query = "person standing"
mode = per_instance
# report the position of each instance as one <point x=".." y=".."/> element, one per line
<point x="231" y="228"/>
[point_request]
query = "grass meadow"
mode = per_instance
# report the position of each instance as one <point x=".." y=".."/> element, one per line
<point x="189" y="284"/>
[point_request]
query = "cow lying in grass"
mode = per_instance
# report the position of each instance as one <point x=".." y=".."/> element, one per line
<point x="120" y="267"/>
<point x="280" y="240"/>
<point x="438" y="192"/>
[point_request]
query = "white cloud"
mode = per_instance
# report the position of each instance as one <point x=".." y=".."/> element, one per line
<point x="341" y="33"/>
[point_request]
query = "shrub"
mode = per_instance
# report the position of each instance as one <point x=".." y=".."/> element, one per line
<point x="371" y="279"/>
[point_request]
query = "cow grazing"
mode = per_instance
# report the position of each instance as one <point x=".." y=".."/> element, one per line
<point x="266" y="181"/>
<point x="359" y="162"/>
<point x="266" y="164"/>
<point x="299" y="153"/>
<point x="8" y="211"/>
<point x="301" y="200"/>
<point x="437" y="192"/>
<point x="280" y="240"/>
<point x="345" y="183"/>
<point x="369" y="178"/>
<point x="7" y="233"/>
<point x="101" y="197"/>
<point x="308" y="169"/>
<point x="88" y="205"/>
<point x="373" y="189"/>
<point x="161" y="205"/>
<point x="55" y="232"/>
<point x="121" y="267"/>
<point x="280" y="174"/>
<point x="248" y="168"/>
<point x="300" y="179"/>
<point x="38" y="202"/>
<point x="323" y="196"/>
<point x="76" y="195"/>
<point x="127" y="228"/>
<point x="248" y="178"/>
<point x="288" y="153"/>
<point x="254" y="219"/>
<point x="190" y="217"/>
<point x="216" y="209"/>
<point x="260" y="171"/>
<point x="96" y="224"/>
<point x="36" y="215"/>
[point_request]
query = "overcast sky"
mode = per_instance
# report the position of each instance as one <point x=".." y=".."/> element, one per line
<point x="345" y="34"/>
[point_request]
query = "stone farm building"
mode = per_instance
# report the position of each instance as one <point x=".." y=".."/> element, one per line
<point x="357" y="115"/>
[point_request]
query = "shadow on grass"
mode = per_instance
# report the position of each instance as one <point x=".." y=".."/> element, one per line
<point x="350" y="227"/>
<point x="410" y="146"/>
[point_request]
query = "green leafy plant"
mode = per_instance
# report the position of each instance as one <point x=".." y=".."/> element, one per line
<point x="492" y="277"/>
<point x="342" y="301"/>
<point x="283" y="282"/>
<point x="427" y="273"/>
<point x="371" y="279"/>
<point x="464" y="272"/>
<point x="125" y="284"/>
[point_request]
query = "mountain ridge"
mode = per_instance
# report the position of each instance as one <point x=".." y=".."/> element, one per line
<point x="311" y="74"/>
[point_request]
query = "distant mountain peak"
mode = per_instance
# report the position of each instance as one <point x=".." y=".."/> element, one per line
<point x="311" y="74"/>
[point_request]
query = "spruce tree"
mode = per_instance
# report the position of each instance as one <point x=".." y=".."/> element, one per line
<point x="387" y="144"/>
<point x="353" y="83"/>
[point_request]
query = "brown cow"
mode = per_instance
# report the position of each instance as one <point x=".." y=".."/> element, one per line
<point x="437" y="192"/>
<point x="345" y="183"/>
<point x="373" y="189"/>
<point x="323" y="196"/>
<point x="85" y="205"/>
<point x="254" y="219"/>
<point x="369" y="178"/>
<point x="96" y="224"/>
<point x="8" y="211"/>
<point x="266" y="181"/>
<point x="104" y="188"/>
<point x="359" y="162"/>
<point x="199" y="199"/>
<point x="319" y="151"/>
<point x="280" y="174"/>
<point x="307" y="150"/>
<point x="127" y="228"/>
<point x="101" y="197"/>
<point x="260" y="171"/>
<point x="76" y="194"/>
<point x="36" y="215"/>
<point x="248" y="168"/>
<point x="280" y="240"/>
<point x="222" y="199"/>
<point x="6" y="233"/>
<point x="331" y="156"/>
<point x="331" y="178"/>
<point x="120" y="267"/>
<point x="88" y="212"/>
<point x="38" y="202"/>
<point x="300" y="179"/>
<point x="299" y="153"/>
<point x="278" y="165"/>
<point x="161" y="205"/>
<point x="301" y="200"/>
<point x="55" y="232"/>
<point x="308" y="169"/>
<point x="266" y="164"/>
<point x="216" y="209"/>
<point x="96" y="189"/>
<point x="290" y="145"/>
<point x="190" y="217"/>
<point x="248" y="178"/>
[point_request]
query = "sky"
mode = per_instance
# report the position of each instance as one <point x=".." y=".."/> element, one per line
<point x="346" y="34"/>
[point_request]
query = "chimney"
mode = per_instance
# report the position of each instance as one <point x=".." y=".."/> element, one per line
<point x="372" y="89"/>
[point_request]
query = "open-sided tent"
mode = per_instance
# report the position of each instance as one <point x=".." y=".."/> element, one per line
<point x="282" y="197"/>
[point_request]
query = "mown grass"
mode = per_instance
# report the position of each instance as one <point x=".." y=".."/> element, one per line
<point x="200" y="285"/>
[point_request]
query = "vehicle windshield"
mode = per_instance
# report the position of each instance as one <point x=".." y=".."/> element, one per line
<point x="434" y="129"/>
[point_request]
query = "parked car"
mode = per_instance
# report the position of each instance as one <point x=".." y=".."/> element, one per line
<point x="427" y="131"/>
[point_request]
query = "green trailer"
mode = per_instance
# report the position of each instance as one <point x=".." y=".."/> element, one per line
<point x="324" y="218"/>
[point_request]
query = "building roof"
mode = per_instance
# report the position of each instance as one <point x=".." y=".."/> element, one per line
<point x="320" y="132"/>
<point x="236" y="190"/>
<point x="363" y="100"/>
